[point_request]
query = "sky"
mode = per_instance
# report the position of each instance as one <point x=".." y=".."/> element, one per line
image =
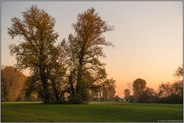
<point x="147" y="36"/>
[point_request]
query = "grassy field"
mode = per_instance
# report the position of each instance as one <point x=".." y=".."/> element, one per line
<point x="104" y="112"/>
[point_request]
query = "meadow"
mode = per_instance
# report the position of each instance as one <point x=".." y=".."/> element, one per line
<point x="94" y="111"/>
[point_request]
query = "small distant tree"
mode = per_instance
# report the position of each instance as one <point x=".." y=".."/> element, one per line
<point x="12" y="83"/>
<point x="165" y="90"/>
<point x="108" y="91"/>
<point x="139" y="86"/>
<point x="126" y="95"/>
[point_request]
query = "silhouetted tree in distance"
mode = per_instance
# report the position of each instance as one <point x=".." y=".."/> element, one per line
<point x="108" y="91"/>
<point x="139" y="86"/>
<point x="126" y="94"/>
<point x="167" y="92"/>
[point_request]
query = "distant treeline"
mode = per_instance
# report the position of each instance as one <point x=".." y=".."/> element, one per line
<point x="167" y="92"/>
<point x="16" y="87"/>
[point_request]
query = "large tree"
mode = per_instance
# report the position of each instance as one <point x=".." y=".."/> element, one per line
<point x="71" y="67"/>
<point x="37" y="50"/>
<point x="12" y="83"/>
<point x="85" y="48"/>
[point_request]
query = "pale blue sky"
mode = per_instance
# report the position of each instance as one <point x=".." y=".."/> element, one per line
<point x="148" y="36"/>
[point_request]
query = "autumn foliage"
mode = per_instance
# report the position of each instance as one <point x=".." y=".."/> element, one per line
<point x="12" y="83"/>
<point x="64" y="72"/>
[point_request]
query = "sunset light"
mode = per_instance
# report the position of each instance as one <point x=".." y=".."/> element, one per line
<point x="93" y="52"/>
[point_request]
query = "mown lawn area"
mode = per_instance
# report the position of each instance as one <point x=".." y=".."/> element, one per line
<point x="96" y="112"/>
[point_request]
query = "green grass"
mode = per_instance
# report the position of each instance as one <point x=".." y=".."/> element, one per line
<point x="96" y="112"/>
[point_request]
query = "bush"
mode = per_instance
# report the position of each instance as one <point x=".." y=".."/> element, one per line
<point x="173" y="99"/>
<point x="75" y="99"/>
<point x="117" y="99"/>
<point x="131" y="98"/>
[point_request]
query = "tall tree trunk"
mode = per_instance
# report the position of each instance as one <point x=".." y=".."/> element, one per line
<point x="79" y="75"/>
<point x="55" y="90"/>
<point x="70" y="77"/>
<point x="45" y="86"/>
